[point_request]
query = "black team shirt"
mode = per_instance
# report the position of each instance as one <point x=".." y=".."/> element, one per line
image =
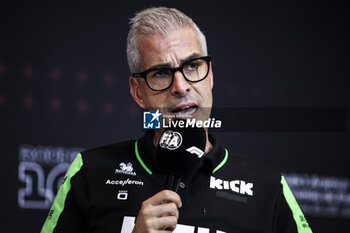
<point x="104" y="188"/>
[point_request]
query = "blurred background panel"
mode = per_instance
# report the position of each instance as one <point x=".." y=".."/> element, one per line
<point x="64" y="88"/>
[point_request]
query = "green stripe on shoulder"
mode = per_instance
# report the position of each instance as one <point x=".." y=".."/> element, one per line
<point x="302" y="225"/>
<point x="59" y="202"/>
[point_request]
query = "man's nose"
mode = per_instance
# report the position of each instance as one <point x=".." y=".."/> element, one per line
<point x="180" y="86"/>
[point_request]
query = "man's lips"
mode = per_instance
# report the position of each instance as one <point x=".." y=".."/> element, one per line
<point x="185" y="110"/>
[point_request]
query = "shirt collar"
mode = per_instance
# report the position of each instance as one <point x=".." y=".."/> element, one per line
<point x="146" y="153"/>
<point x="216" y="157"/>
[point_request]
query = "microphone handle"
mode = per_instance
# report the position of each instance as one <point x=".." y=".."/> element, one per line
<point x="172" y="182"/>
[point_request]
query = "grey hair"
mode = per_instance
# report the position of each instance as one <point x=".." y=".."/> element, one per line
<point x="161" y="20"/>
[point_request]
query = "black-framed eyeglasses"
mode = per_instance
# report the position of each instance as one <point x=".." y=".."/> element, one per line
<point x="161" y="78"/>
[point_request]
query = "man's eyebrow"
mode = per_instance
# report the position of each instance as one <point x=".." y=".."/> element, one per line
<point x="162" y="65"/>
<point x="194" y="55"/>
<point x="168" y="64"/>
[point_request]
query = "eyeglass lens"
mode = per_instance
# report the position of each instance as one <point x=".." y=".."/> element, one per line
<point x="194" y="70"/>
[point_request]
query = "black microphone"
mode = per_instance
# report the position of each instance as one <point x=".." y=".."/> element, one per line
<point x="179" y="153"/>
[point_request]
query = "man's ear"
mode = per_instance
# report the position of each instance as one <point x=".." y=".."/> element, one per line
<point x="211" y="76"/>
<point x="135" y="91"/>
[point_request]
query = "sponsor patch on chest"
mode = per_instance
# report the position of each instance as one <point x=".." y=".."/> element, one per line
<point x="237" y="186"/>
<point x="126" y="169"/>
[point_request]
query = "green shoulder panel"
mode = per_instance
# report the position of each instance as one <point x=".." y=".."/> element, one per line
<point x="58" y="205"/>
<point x="302" y="225"/>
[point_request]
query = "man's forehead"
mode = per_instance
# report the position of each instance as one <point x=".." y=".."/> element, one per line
<point x="171" y="49"/>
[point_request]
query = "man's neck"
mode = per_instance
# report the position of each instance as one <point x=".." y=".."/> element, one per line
<point x="208" y="145"/>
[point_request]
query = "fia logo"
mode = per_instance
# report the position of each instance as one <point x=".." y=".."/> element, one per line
<point x="170" y="140"/>
<point x="151" y="120"/>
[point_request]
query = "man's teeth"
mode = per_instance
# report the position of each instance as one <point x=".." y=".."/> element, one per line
<point x="186" y="111"/>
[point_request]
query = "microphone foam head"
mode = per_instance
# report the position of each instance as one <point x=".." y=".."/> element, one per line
<point x="180" y="150"/>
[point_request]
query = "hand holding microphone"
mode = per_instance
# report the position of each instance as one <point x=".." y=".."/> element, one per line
<point x="179" y="154"/>
<point x="159" y="213"/>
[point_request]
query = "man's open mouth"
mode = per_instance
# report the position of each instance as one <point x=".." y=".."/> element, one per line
<point x="185" y="111"/>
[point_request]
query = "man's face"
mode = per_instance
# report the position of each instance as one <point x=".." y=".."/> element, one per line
<point x="193" y="100"/>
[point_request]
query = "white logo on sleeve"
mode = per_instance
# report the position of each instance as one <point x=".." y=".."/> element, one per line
<point x="237" y="186"/>
<point x="195" y="150"/>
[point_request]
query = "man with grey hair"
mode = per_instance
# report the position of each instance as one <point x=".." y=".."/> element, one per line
<point x="171" y="71"/>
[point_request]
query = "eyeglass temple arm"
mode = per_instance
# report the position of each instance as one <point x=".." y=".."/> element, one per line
<point x="136" y="75"/>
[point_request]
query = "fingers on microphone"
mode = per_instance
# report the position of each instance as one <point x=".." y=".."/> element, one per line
<point x="167" y="196"/>
<point x="168" y="209"/>
<point x="160" y="212"/>
<point x="166" y="223"/>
